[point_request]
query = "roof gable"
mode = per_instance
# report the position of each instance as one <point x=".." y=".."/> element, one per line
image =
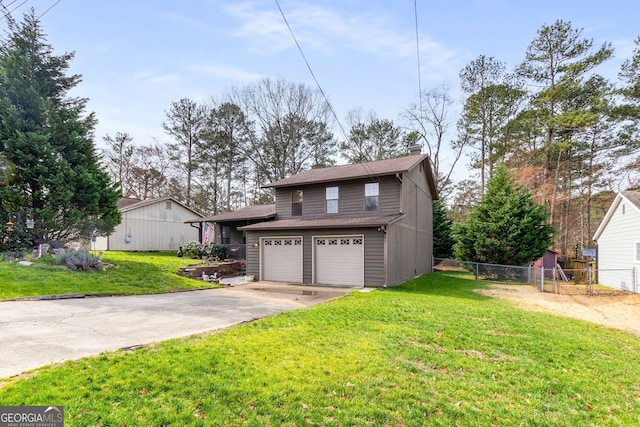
<point x="131" y="204"/>
<point x="244" y="214"/>
<point x="354" y="171"/>
<point x="632" y="197"/>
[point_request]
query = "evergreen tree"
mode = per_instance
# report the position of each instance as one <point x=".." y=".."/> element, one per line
<point x="443" y="240"/>
<point x="47" y="138"/>
<point x="506" y="227"/>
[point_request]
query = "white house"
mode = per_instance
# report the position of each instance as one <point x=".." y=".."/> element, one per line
<point x="618" y="243"/>
<point x="150" y="225"/>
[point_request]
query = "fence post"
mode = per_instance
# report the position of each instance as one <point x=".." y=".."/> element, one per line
<point x="555" y="283"/>
<point x="633" y="280"/>
<point x="477" y="270"/>
<point x="589" y="282"/>
<point x="529" y="274"/>
<point x="542" y="280"/>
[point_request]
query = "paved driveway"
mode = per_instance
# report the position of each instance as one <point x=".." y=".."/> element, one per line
<point x="37" y="333"/>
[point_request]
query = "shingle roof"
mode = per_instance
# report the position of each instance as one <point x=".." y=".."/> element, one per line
<point x="128" y="204"/>
<point x="345" y="172"/>
<point x="633" y="196"/>
<point x="336" y="222"/>
<point x="246" y="213"/>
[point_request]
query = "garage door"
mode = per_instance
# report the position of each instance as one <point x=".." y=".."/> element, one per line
<point x="339" y="260"/>
<point x="282" y="259"/>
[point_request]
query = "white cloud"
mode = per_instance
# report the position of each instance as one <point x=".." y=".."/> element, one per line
<point x="326" y="29"/>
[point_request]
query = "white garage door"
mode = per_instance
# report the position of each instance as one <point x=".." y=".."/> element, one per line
<point x="339" y="260"/>
<point x="282" y="259"/>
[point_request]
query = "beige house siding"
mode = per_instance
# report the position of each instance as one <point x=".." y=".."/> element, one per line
<point x="153" y="227"/>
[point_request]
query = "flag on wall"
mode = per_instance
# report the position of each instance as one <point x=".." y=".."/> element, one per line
<point x="207" y="234"/>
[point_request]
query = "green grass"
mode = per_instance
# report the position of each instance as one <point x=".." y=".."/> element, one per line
<point x="430" y="352"/>
<point x="126" y="273"/>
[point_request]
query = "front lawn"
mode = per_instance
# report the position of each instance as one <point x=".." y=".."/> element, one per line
<point x="126" y="273"/>
<point x="430" y="352"/>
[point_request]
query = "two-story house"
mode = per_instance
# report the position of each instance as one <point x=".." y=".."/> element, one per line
<point x="366" y="224"/>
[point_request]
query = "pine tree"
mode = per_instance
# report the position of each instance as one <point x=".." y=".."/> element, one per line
<point x="443" y="240"/>
<point x="47" y="138"/>
<point x="506" y="227"/>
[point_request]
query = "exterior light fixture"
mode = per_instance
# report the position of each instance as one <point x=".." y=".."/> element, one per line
<point x="10" y="225"/>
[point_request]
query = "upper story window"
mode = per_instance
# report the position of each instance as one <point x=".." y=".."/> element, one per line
<point x="167" y="205"/>
<point x="332" y="200"/>
<point x="371" y="196"/>
<point x="296" y="203"/>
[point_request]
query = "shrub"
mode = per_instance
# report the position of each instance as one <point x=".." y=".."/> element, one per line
<point x="193" y="249"/>
<point x="79" y="260"/>
<point x="219" y="252"/>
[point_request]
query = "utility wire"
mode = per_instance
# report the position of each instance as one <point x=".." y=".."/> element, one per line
<point x="415" y="12"/>
<point x="335" y="116"/>
<point x="50" y="7"/>
<point x="367" y="168"/>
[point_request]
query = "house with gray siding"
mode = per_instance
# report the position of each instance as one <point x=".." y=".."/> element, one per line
<point x="618" y="243"/>
<point x="366" y="224"/>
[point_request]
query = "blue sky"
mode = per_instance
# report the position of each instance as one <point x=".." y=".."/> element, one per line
<point x="136" y="57"/>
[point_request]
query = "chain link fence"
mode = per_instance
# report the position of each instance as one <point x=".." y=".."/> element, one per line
<point x="586" y="280"/>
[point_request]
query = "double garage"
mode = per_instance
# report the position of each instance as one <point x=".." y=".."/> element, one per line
<point x="335" y="260"/>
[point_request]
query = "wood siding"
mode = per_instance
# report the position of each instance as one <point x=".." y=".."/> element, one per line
<point x="350" y="201"/>
<point x="373" y="251"/>
<point x="410" y="240"/>
<point x="153" y="228"/>
<point x="617" y="248"/>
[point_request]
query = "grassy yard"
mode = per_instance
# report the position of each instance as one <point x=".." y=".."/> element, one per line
<point x="430" y="352"/>
<point x="126" y="273"/>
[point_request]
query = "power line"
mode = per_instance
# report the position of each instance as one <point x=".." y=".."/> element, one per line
<point x="367" y="168"/>
<point x="50" y="7"/>
<point x="335" y="116"/>
<point x="415" y="12"/>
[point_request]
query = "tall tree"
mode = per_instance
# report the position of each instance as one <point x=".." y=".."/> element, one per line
<point x="506" y="227"/>
<point x="493" y="99"/>
<point x="47" y="136"/>
<point x="443" y="240"/>
<point x="557" y="61"/>
<point x="371" y="138"/>
<point x="118" y="158"/>
<point x="430" y="120"/>
<point x="287" y="127"/>
<point x="186" y="122"/>
<point x="227" y="135"/>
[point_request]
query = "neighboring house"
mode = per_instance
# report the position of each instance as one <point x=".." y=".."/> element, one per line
<point x="150" y="225"/>
<point x="367" y="224"/>
<point x="618" y="243"/>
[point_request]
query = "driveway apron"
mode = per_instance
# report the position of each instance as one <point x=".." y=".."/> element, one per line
<point x="38" y="333"/>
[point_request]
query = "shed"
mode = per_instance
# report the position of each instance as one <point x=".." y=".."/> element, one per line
<point x="150" y="225"/>
<point x="548" y="261"/>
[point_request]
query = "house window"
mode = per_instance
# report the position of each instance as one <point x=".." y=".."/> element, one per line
<point x="371" y="196"/>
<point x="332" y="200"/>
<point x="167" y="206"/>
<point x="296" y="203"/>
<point x="226" y="234"/>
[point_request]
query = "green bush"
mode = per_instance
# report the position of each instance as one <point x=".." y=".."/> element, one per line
<point x="219" y="252"/>
<point x="193" y="249"/>
<point x="79" y="260"/>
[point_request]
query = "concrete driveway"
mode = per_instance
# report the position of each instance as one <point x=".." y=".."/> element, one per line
<point x="38" y="333"/>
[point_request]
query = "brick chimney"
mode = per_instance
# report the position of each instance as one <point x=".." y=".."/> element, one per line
<point x="415" y="150"/>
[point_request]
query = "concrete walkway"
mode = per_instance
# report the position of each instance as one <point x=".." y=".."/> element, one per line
<point x="38" y="333"/>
